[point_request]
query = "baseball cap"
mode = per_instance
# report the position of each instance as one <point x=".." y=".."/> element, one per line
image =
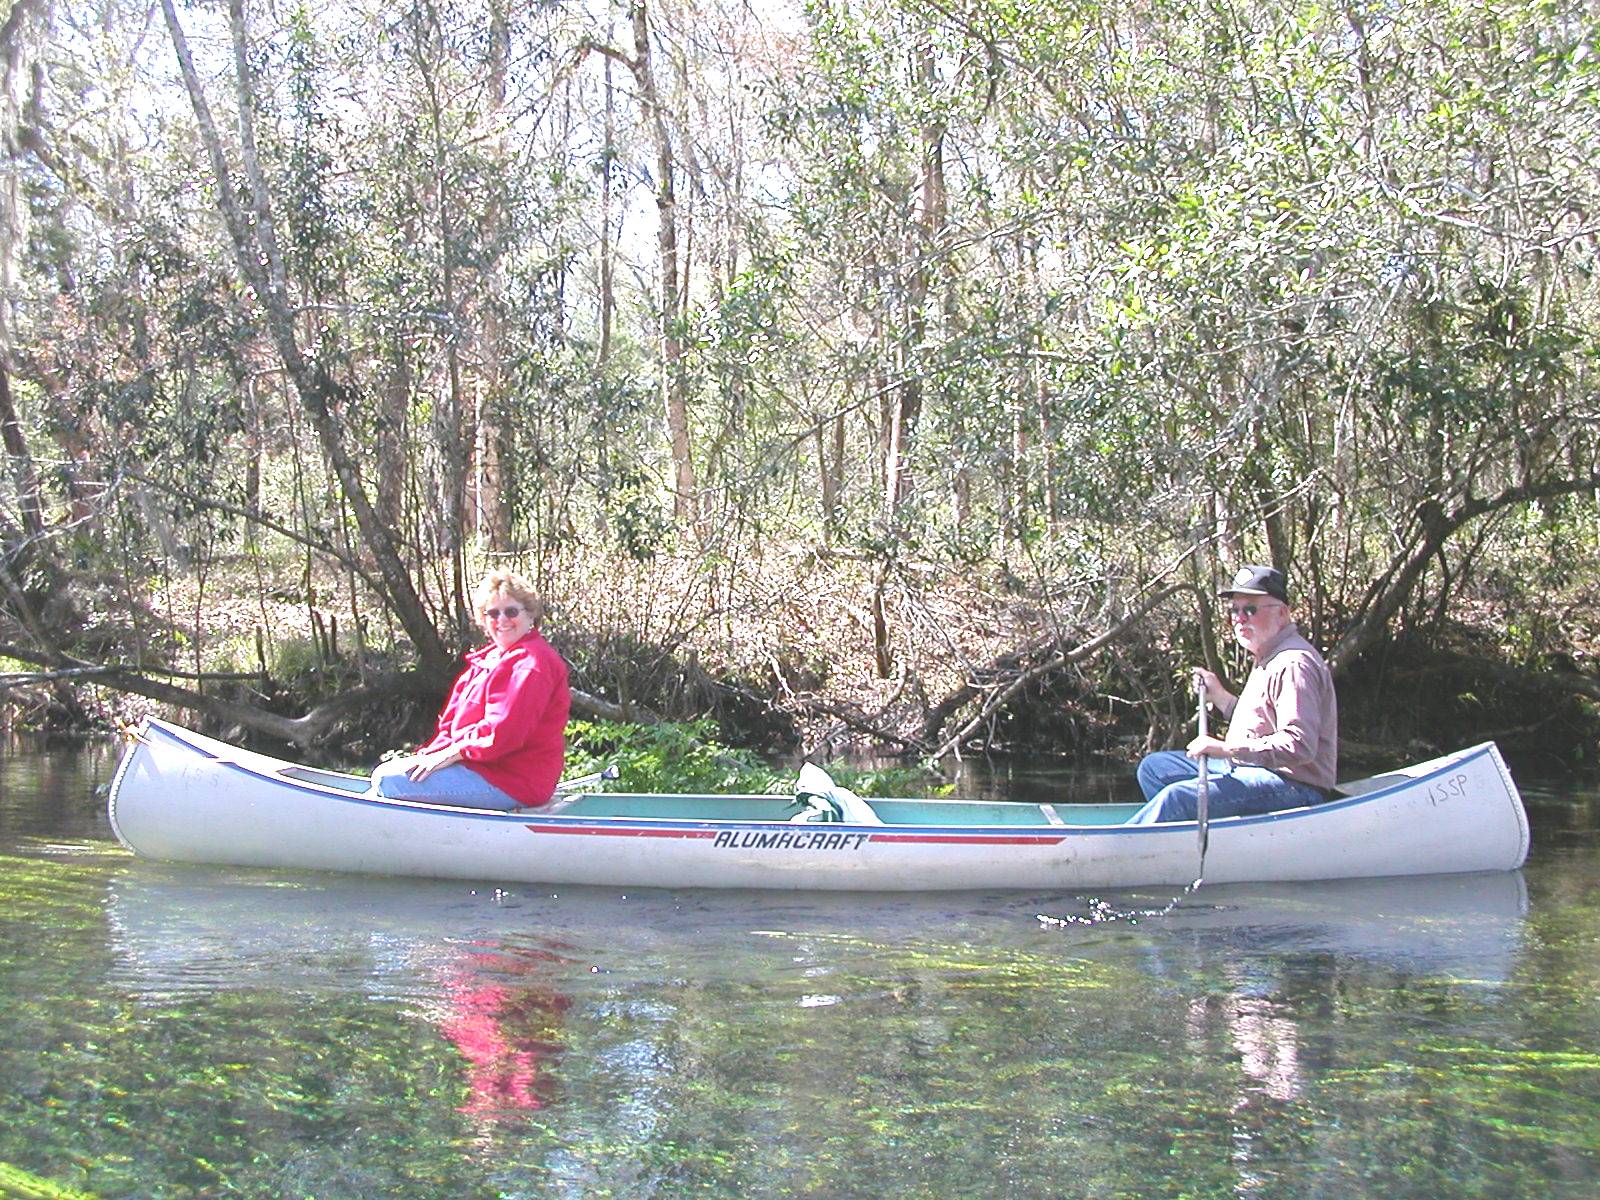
<point x="1257" y="580"/>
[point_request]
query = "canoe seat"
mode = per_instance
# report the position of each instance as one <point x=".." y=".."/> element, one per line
<point x="1374" y="783"/>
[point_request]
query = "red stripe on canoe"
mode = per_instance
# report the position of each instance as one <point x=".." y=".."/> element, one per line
<point x="964" y="839"/>
<point x="592" y="831"/>
<point x="948" y="839"/>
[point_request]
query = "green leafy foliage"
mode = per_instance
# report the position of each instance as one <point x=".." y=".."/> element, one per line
<point x="1102" y="290"/>
<point x="688" y="757"/>
<point x="668" y="757"/>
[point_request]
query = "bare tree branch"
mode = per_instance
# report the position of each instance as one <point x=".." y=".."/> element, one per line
<point x="1432" y="527"/>
<point x="998" y="694"/>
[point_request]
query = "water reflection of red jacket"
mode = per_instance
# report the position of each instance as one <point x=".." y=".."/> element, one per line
<point x="507" y="1032"/>
<point x="508" y="713"/>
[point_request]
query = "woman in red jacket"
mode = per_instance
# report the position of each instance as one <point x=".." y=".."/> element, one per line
<point x="501" y="737"/>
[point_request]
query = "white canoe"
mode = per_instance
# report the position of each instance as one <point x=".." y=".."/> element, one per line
<point x="183" y="797"/>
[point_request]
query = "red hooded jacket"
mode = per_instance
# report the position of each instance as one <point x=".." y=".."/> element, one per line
<point x="508" y="715"/>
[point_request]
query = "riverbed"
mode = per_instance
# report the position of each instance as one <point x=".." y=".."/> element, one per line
<point x="172" y="1031"/>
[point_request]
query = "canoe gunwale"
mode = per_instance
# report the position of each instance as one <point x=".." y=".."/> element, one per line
<point x="1446" y="763"/>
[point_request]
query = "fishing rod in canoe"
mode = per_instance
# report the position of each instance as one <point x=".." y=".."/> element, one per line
<point x="1102" y="913"/>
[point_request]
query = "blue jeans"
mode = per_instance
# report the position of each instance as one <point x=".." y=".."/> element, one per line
<point x="1169" y="780"/>
<point x="454" y="784"/>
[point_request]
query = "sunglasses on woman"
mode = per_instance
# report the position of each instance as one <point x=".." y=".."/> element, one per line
<point x="511" y="612"/>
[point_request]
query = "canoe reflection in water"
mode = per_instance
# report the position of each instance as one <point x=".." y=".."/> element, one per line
<point x="505" y="1022"/>
<point x="178" y="928"/>
<point x="450" y="954"/>
<point x="1467" y="930"/>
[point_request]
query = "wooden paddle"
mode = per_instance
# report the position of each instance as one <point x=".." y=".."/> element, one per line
<point x="1200" y="797"/>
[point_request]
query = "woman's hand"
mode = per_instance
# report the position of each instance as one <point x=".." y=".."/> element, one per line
<point x="423" y="765"/>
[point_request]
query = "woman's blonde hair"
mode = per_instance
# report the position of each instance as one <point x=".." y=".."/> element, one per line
<point x="513" y="585"/>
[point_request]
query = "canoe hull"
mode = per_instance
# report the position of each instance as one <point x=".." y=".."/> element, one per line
<point x="181" y="797"/>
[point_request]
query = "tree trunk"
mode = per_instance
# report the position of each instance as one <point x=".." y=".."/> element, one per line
<point x="674" y="384"/>
<point x="906" y="405"/>
<point x="607" y="268"/>
<point x="830" y="469"/>
<point x="882" y="649"/>
<point x="321" y="396"/>
<point x="394" y="404"/>
<point x="494" y="457"/>
<point x="455" y="419"/>
<point x="255" y="446"/>
<point x="24" y="473"/>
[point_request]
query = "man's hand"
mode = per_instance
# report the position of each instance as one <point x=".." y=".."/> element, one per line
<point x="1219" y="697"/>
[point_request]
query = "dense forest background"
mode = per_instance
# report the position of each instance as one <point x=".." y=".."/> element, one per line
<point x="891" y="372"/>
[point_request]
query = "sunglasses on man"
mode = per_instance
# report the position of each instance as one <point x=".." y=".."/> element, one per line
<point x="1248" y="611"/>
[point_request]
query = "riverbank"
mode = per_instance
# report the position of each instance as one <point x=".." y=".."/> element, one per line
<point x="805" y="654"/>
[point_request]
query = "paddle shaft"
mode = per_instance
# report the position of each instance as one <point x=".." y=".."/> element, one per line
<point x="1201" y="788"/>
<point x="610" y="772"/>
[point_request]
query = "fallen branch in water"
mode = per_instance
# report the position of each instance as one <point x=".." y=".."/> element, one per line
<point x="302" y="731"/>
<point x="15" y="679"/>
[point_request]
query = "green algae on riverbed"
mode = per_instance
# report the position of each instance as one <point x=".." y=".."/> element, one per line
<point x="826" y="1064"/>
<point x="196" y="1032"/>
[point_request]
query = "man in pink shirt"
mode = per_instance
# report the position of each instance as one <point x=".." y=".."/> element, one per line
<point x="1282" y="747"/>
<point x="501" y="738"/>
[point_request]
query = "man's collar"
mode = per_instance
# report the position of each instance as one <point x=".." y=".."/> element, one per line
<point x="1289" y="630"/>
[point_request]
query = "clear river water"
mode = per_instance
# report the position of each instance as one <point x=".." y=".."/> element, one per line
<point x="173" y="1031"/>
